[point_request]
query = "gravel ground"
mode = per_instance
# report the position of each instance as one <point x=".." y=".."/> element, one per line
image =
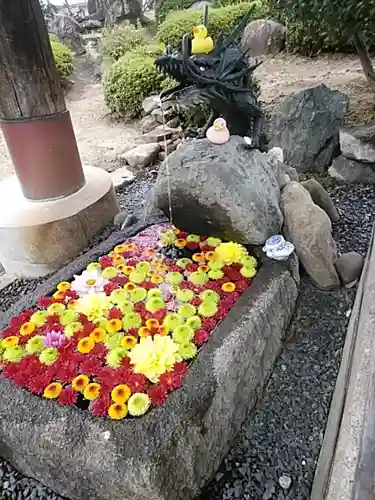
<point x="275" y="455"/>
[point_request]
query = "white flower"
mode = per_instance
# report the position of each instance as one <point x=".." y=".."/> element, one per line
<point x="88" y="282"/>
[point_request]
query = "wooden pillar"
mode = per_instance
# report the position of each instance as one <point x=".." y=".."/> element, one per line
<point x="33" y="115"/>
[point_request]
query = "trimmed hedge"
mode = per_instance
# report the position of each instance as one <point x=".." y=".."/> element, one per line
<point x="122" y="38"/>
<point x="63" y="57"/>
<point x="221" y="19"/>
<point x="133" y="78"/>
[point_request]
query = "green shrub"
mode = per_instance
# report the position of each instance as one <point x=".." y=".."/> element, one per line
<point x="166" y="6"/>
<point x="63" y="57"/>
<point x="221" y="19"/>
<point x="133" y="78"/>
<point x="122" y="38"/>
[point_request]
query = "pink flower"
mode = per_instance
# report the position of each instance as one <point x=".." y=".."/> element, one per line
<point x="53" y="338"/>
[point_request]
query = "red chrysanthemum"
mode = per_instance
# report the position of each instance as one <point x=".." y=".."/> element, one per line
<point x="99" y="351"/>
<point x="133" y="332"/>
<point x="181" y="368"/>
<point x="37" y="384"/>
<point x="242" y="285"/>
<point x="8" y="332"/>
<point x="82" y="318"/>
<point x="221" y="313"/>
<point x="148" y="285"/>
<point x="90" y="366"/>
<point x="71" y="295"/>
<point x="158" y="395"/>
<point x="53" y="321"/>
<point x="208" y="324"/>
<point x="170" y="381"/>
<point x="191" y="268"/>
<point x="109" y="288"/>
<point x="99" y="407"/>
<point x="196" y="301"/>
<point x="192" y="245"/>
<point x="115" y="313"/>
<point x="213" y="285"/>
<point x="137" y="382"/>
<point x="68" y="396"/>
<point x="121" y="280"/>
<point x="67" y="372"/>
<point x="204" y="247"/>
<point x="201" y="336"/>
<point x="231" y="273"/>
<point x="44" y="302"/>
<point x="105" y="262"/>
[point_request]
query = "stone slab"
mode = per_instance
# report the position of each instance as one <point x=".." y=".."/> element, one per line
<point x="173" y="451"/>
<point x="36" y="238"/>
<point x="122" y="176"/>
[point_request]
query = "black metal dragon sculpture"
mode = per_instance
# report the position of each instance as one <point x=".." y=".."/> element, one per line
<point x="223" y="79"/>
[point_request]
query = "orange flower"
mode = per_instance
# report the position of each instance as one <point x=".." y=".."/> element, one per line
<point x="80" y="382"/>
<point x="64" y="286"/>
<point x="130" y="247"/>
<point x="128" y="341"/>
<point x="203" y="269"/>
<point x="199" y="257"/>
<point x="157" y="279"/>
<point x="121" y="393"/>
<point x="228" y="287"/>
<point x="117" y="411"/>
<point x="161" y="267"/>
<point x="72" y="304"/>
<point x="60" y="294"/>
<point x="119" y="249"/>
<point x="114" y="325"/>
<point x="91" y="391"/>
<point x="98" y="335"/>
<point x="144" y="331"/>
<point x="117" y="260"/>
<point x="86" y="345"/>
<point x="176" y="230"/>
<point x="152" y="273"/>
<point x="163" y="330"/>
<point x="129" y="287"/>
<point x="52" y="391"/>
<point x="210" y="256"/>
<point x="121" y="268"/>
<point x="152" y="324"/>
<point x="27" y="329"/>
<point x="180" y="243"/>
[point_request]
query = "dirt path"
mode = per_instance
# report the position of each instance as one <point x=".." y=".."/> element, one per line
<point x="100" y="140"/>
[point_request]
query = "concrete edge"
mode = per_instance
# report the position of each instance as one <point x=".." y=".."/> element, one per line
<point x="345" y="381"/>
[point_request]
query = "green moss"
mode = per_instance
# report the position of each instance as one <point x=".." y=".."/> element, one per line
<point x="63" y="57"/>
<point x="222" y="19"/>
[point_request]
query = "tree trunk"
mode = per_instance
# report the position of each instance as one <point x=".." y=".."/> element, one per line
<point x="364" y="57"/>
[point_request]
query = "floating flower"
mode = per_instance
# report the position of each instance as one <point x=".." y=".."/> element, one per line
<point x="228" y="287"/>
<point x="94" y="306"/>
<point x="86" y="345"/>
<point x="184" y="295"/>
<point x="98" y="335"/>
<point x="88" y="282"/>
<point x="91" y="391"/>
<point x="39" y="318"/>
<point x="208" y="309"/>
<point x="68" y="396"/>
<point x="27" y="329"/>
<point x="72" y="328"/>
<point x="11" y="341"/>
<point x="187" y="351"/>
<point x="48" y="356"/>
<point x="117" y="411"/>
<point x="115" y="357"/>
<point x="13" y="354"/>
<point x="138" y="404"/>
<point x="63" y="286"/>
<point x="198" y="278"/>
<point x="52" y="391"/>
<point x="144" y="331"/>
<point x="183" y="334"/>
<point x="154" y="356"/>
<point x="80" y="382"/>
<point x="248" y="271"/>
<point x="131" y="320"/>
<point x="67" y="317"/>
<point x="53" y="338"/>
<point x="121" y="393"/>
<point x="231" y="252"/>
<point x="114" y="325"/>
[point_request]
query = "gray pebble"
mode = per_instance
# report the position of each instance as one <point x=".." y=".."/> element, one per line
<point x="285" y="482"/>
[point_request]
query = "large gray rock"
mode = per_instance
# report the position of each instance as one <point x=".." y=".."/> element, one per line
<point x="358" y="143"/>
<point x="306" y="126"/>
<point x="352" y="171"/>
<point x="264" y="36"/>
<point x="170" y="453"/>
<point x="349" y="266"/>
<point x="228" y="191"/>
<point x="68" y="31"/>
<point x="308" y="227"/>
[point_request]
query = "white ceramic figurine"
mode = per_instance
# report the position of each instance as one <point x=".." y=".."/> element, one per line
<point x="218" y="133"/>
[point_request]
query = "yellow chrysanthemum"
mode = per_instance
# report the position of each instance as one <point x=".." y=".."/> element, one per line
<point x="64" y="286"/>
<point x="91" y="391"/>
<point x="59" y="295"/>
<point x="138" y="404"/>
<point x="80" y="382"/>
<point x="121" y="393"/>
<point x="153" y="356"/>
<point x="93" y="305"/>
<point x="12" y="341"/>
<point x="231" y="252"/>
<point x="52" y="391"/>
<point x="117" y="411"/>
<point x="114" y="325"/>
<point x="86" y="345"/>
<point x="98" y="335"/>
<point x="128" y="342"/>
<point x="228" y="287"/>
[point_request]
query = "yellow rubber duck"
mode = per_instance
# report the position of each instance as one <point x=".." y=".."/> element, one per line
<point x="201" y="43"/>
